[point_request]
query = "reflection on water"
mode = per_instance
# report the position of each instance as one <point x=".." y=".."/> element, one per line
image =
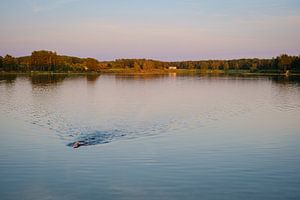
<point x="41" y="109"/>
<point x="141" y="77"/>
<point x="92" y="78"/>
<point x="47" y="79"/>
<point x="286" y="79"/>
<point x="8" y="78"/>
<point x="149" y="137"/>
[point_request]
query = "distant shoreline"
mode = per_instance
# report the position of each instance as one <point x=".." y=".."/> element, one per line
<point x="51" y="62"/>
<point x="157" y="72"/>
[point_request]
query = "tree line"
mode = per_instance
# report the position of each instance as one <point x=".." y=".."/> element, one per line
<point x="51" y="61"/>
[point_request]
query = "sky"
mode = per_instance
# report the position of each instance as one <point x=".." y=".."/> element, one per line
<point x="167" y="30"/>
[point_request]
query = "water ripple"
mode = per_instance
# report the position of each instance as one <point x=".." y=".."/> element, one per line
<point x="96" y="137"/>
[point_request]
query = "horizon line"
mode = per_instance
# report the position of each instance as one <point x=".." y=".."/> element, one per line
<point x="161" y="60"/>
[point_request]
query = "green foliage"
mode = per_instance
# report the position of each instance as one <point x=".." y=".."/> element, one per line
<point x="10" y="63"/>
<point x="204" y="66"/>
<point x="44" y="60"/>
<point x="1" y="62"/>
<point x="92" y="64"/>
<point x="136" y="66"/>
<point x="24" y="63"/>
<point x="50" y="61"/>
<point x="284" y="62"/>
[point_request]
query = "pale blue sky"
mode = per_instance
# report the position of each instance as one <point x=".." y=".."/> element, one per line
<point x="157" y="29"/>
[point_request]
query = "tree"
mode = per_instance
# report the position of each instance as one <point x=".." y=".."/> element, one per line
<point x="284" y="62"/>
<point x="296" y="64"/>
<point x="215" y="65"/>
<point x="92" y="64"/>
<point x="1" y="61"/>
<point x="136" y="66"/>
<point x="148" y="65"/>
<point x="190" y="65"/>
<point x="44" y="60"/>
<point x="226" y="65"/>
<point x="253" y="67"/>
<point x="9" y="63"/>
<point x="204" y="66"/>
<point x="236" y="66"/>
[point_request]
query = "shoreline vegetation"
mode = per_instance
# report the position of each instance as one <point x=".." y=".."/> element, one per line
<point x="160" y="72"/>
<point x="48" y="62"/>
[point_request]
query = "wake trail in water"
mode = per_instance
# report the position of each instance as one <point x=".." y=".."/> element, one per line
<point x="71" y="130"/>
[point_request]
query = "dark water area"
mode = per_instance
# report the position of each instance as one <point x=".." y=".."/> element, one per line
<point x="149" y="137"/>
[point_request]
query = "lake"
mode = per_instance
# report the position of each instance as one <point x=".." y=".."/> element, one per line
<point x="149" y="137"/>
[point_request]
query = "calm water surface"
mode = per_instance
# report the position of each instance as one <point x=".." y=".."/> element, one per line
<point x="162" y="137"/>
